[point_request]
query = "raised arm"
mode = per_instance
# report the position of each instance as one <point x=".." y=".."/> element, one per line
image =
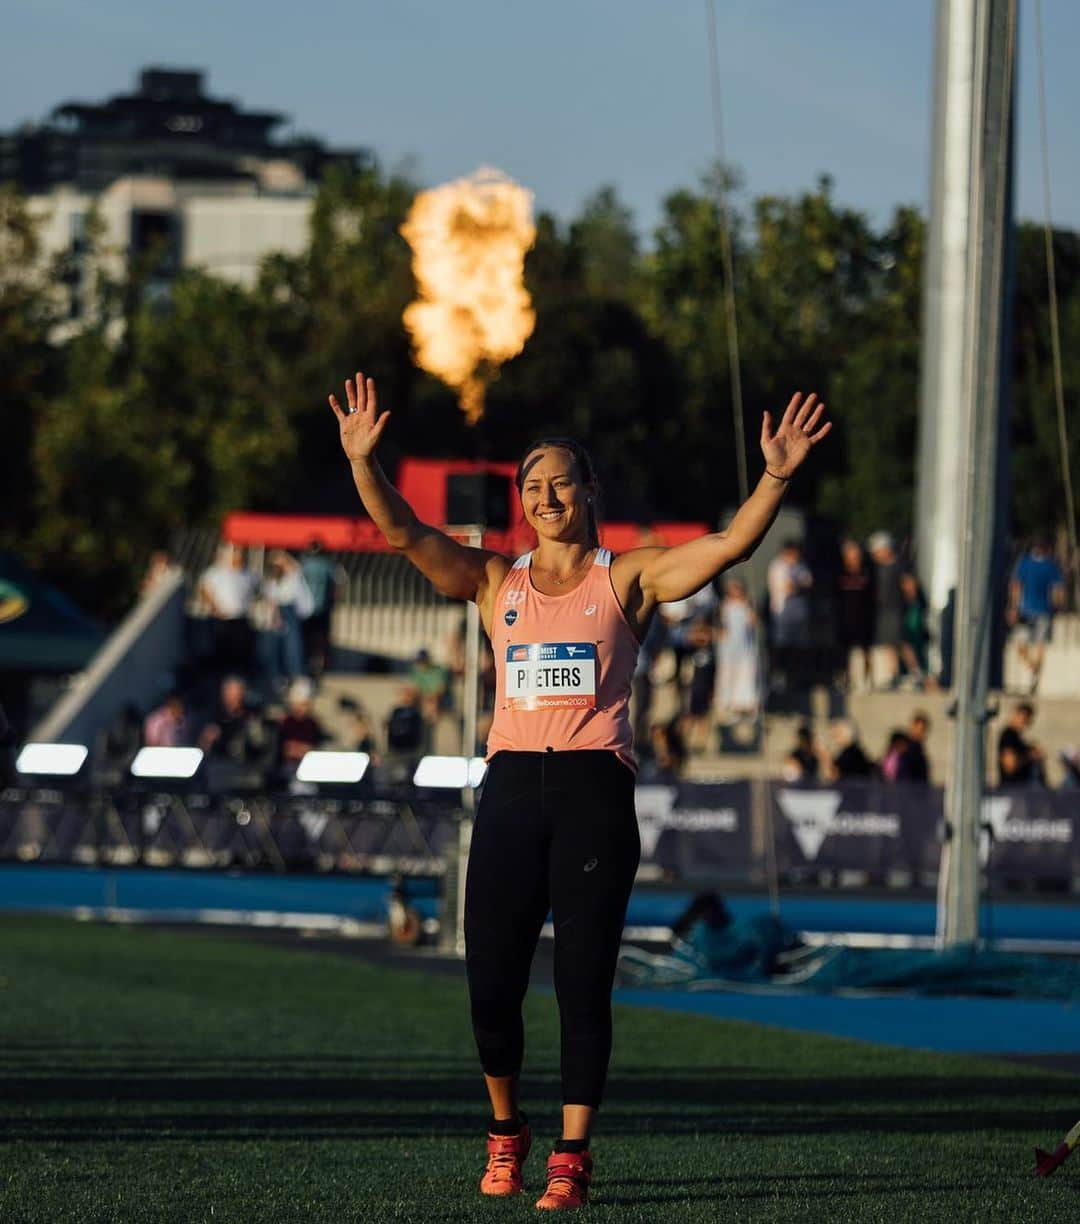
<point x="666" y="574"/>
<point x="454" y="569"/>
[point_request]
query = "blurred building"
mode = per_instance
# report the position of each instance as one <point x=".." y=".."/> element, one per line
<point x="171" y="174"/>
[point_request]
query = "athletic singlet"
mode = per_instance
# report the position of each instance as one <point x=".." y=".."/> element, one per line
<point x="563" y="666"/>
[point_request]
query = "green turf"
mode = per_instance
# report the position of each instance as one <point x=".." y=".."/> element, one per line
<point x="149" y="1075"/>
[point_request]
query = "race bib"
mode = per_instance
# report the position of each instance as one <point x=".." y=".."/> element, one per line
<point x="545" y="675"/>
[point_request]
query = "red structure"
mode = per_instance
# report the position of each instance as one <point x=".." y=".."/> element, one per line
<point x="423" y="484"/>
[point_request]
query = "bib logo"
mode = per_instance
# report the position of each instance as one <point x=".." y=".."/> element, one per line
<point x="510" y="616"/>
<point x="810" y="814"/>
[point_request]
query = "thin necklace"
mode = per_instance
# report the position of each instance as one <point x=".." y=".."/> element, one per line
<point x="563" y="581"/>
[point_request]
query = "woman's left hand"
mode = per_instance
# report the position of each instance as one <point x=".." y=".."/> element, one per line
<point x="800" y="430"/>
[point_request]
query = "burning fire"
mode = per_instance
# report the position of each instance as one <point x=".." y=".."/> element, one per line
<point x="469" y="239"/>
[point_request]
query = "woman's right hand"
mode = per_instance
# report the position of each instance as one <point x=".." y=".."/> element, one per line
<point x="362" y="426"/>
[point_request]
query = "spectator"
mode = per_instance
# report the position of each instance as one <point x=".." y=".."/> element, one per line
<point x="299" y="731"/>
<point x="236" y="731"/>
<point x="320" y="574"/>
<point x="789" y="582"/>
<point x="168" y="725"/>
<point x="654" y="645"/>
<point x="892" y="763"/>
<point x="914" y="635"/>
<point x="228" y="590"/>
<point x="700" y="636"/>
<point x="1036" y="591"/>
<point x="888" y="603"/>
<point x="485" y="666"/>
<point x="358" y="734"/>
<point x="739" y="695"/>
<point x="667" y="755"/>
<point x="802" y="763"/>
<point x="1020" y="762"/>
<point x="429" y="679"/>
<point x="407" y="734"/>
<point x="914" y="767"/>
<point x="850" y="761"/>
<point x="688" y="623"/>
<point x="287" y="602"/>
<point x="854" y="614"/>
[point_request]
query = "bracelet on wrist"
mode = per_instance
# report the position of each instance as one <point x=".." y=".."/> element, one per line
<point x="785" y="479"/>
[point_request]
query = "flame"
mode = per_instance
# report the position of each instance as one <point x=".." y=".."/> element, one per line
<point x="469" y="239"/>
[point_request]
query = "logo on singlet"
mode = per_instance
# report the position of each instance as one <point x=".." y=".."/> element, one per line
<point x="590" y="610"/>
<point x="514" y="597"/>
<point x="510" y="615"/>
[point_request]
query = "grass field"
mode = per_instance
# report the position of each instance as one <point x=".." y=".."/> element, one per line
<point x="150" y="1075"/>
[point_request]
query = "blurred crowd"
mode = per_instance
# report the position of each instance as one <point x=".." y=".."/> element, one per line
<point x="852" y="622"/>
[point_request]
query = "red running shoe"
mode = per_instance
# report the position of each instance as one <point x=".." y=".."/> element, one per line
<point x="506" y="1155"/>
<point x="568" y="1174"/>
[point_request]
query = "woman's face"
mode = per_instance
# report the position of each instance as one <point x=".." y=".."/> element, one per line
<point x="852" y="557"/>
<point x="553" y="497"/>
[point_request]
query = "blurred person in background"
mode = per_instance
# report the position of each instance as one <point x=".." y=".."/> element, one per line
<point x="888" y="604"/>
<point x="914" y="634"/>
<point x="849" y="760"/>
<point x="666" y="755"/>
<point x="299" y="731"/>
<point x="168" y="726"/>
<point x="803" y="762"/>
<point x="701" y="636"/>
<point x="789" y="581"/>
<point x="892" y="763"/>
<point x="287" y="602"/>
<point x="161" y="564"/>
<point x="320" y="574"/>
<point x="235" y="729"/>
<point x="228" y="589"/>
<point x="854" y="615"/>
<point x="1036" y="592"/>
<point x="407" y="732"/>
<point x="430" y="681"/>
<point x="914" y="767"/>
<point x="358" y="733"/>
<point x="1020" y="761"/>
<point x="689" y="634"/>
<point x="739" y="693"/>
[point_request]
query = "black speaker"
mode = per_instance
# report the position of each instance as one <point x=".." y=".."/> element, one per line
<point x="478" y="497"/>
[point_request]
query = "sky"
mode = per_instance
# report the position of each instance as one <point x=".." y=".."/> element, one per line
<point x="568" y="95"/>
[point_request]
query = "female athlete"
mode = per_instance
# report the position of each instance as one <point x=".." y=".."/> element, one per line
<point x="555" y="829"/>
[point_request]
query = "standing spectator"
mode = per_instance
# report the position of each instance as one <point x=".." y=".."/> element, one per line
<point x="167" y="726"/>
<point x="892" y="763"/>
<point x="320" y="574"/>
<point x="429" y="679"/>
<point x="1036" y="592"/>
<point x="406" y="732"/>
<point x="914" y="767"/>
<point x="228" y="590"/>
<point x="850" y="760"/>
<point x="701" y="636"/>
<point x="739" y="695"/>
<point x="888" y="603"/>
<point x="288" y="603"/>
<point x="1020" y="762"/>
<point x="689" y="632"/>
<point x="789" y="582"/>
<point x="299" y="731"/>
<point x="237" y="737"/>
<point x="854" y="614"/>
<point x="914" y="636"/>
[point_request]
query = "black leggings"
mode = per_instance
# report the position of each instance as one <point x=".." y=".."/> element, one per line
<point x="554" y="830"/>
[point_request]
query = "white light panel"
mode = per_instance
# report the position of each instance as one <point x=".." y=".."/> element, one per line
<point x="58" y="760"/>
<point x="339" y="767"/>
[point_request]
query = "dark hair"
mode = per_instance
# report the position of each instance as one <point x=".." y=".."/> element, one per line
<point x="1025" y="707"/>
<point x="585" y="469"/>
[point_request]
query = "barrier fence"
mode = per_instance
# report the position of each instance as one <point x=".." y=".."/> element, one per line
<point x="736" y="832"/>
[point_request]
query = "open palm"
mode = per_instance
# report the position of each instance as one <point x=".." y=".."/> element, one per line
<point x="362" y="426"/>
<point x="799" y="431"/>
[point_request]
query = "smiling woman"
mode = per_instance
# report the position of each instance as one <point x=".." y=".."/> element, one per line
<point x="556" y="829"/>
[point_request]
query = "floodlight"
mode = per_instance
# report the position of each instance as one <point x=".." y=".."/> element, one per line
<point x="449" y="772"/>
<point x="57" y="760"/>
<point x="336" y="767"/>
<point x="166" y="762"/>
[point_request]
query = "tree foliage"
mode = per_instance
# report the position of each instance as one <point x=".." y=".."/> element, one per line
<point x="159" y="415"/>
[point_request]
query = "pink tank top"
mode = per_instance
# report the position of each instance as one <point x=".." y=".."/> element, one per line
<point x="563" y="666"/>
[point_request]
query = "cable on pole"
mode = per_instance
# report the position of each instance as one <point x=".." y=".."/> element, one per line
<point x="731" y="319"/>
<point x="1055" y="325"/>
